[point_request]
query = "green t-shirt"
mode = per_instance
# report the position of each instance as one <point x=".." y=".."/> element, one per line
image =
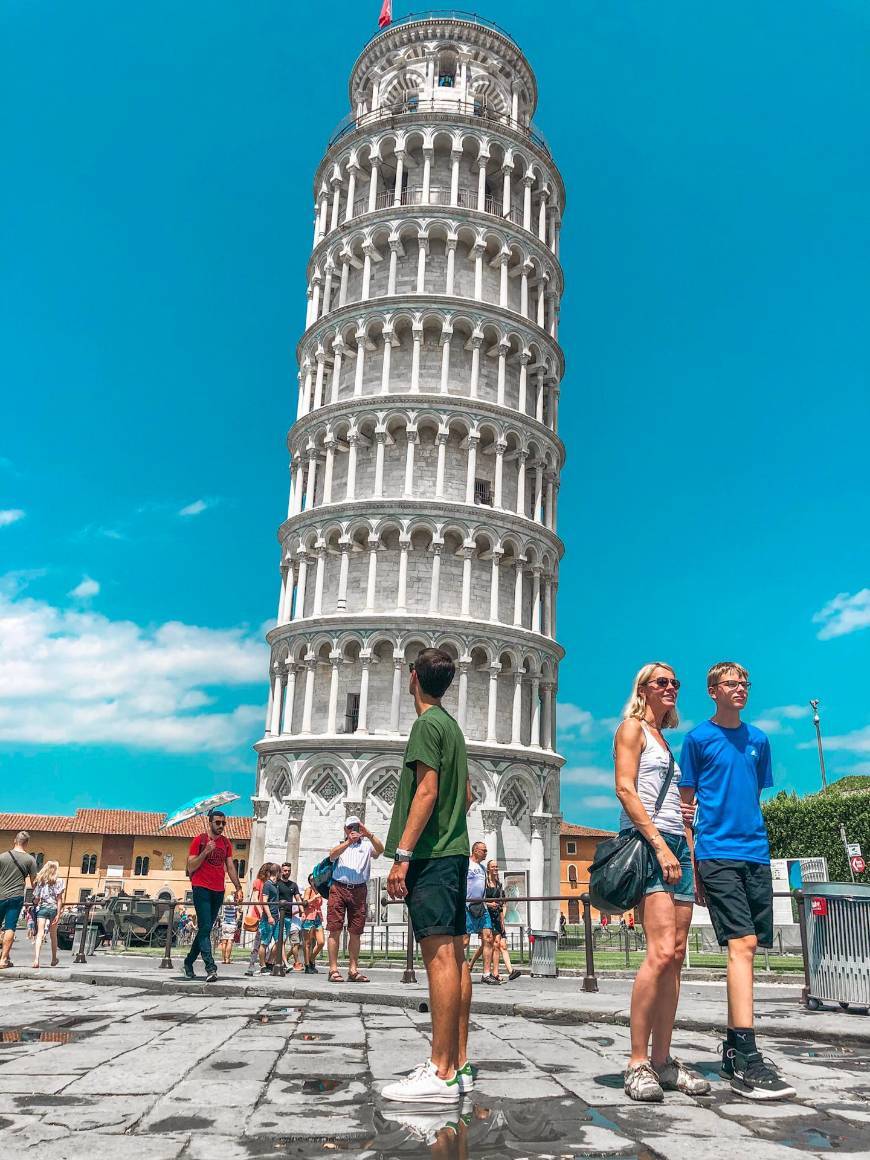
<point x="437" y="741"/>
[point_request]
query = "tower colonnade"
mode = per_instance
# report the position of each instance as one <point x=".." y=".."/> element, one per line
<point x="424" y="456"/>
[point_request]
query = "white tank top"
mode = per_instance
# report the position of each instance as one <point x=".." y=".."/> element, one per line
<point x="652" y="770"/>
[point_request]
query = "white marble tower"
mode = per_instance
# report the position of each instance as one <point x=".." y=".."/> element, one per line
<point x="425" y="457"/>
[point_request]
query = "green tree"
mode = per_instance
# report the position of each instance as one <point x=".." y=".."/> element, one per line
<point x="809" y="827"/>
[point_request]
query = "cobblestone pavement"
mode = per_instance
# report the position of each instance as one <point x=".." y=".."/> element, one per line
<point x="116" y="1072"/>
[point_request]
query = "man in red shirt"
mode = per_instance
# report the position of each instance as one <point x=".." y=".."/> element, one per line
<point x="209" y="858"/>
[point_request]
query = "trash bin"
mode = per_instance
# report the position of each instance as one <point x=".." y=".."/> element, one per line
<point x="837" y="920"/>
<point x="543" y="948"/>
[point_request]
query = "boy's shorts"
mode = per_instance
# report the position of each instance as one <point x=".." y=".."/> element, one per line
<point x="436" y="895"/>
<point x="739" y="898"/>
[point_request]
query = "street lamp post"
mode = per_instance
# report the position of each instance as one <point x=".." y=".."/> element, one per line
<point x="814" y="705"/>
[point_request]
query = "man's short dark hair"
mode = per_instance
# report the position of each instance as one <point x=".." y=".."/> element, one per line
<point x="289" y="865"/>
<point x="216" y="814"/>
<point x="435" y="671"/>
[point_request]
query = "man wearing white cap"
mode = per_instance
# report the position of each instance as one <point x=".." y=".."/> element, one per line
<point x="348" y="894"/>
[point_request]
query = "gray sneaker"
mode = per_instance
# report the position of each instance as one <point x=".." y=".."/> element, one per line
<point x="674" y="1076"/>
<point x="642" y="1084"/>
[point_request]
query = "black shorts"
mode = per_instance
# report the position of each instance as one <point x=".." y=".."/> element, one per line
<point x="739" y="898"/>
<point x="436" y="895"/>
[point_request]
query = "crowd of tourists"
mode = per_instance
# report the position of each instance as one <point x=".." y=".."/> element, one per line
<point x="699" y="818"/>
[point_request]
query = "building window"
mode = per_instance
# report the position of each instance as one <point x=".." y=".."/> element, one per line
<point x="84" y="894"/>
<point x="351" y="713"/>
<point x="572" y="876"/>
<point x="483" y="492"/>
<point x="141" y="867"/>
<point x="40" y="859"/>
<point x="140" y="894"/>
<point x="573" y="910"/>
<point x="241" y="866"/>
<point x="188" y="897"/>
<point x="570" y="847"/>
<point x="446" y="80"/>
<point x="89" y="864"/>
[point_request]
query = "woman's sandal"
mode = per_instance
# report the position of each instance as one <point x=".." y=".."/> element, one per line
<point x="336" y="977"/>
<point x="359" y="977"/>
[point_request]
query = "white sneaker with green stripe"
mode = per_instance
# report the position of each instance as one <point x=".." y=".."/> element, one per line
<point x="423" y="1086"/>
<point x="466" y="1077"/>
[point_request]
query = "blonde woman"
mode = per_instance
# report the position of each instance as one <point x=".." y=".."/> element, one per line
<point x="643" y="760"/>
<point x="48" y="890"/>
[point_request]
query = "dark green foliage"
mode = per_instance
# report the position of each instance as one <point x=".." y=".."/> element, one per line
<point x="809" y="827"/>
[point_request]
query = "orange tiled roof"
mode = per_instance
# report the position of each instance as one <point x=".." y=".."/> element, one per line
<point x="572" y="831"/>
<point x="131" y="823"/>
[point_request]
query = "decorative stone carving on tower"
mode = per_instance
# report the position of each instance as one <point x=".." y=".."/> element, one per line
<point x="424" y="455"/>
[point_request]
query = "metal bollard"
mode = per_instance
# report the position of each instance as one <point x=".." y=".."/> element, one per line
<point x="278" y="964"/>
<point x="409" y="975"/>
<point x="166" y="961"/>
<point x="590" y="983"/>
<point x="81" y="957"/>
<point x="802" y="925"/>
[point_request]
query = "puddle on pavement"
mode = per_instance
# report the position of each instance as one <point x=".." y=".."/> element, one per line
<point x="180" y="1124"/>
<point x="227" y="1065"/>
<point x="824" y="1053"/>
<point x="499" y="1065"/>
<point x="167" y="1017"/>
<point x="45" y="1101"/>
<point x="37" y="1034"/>
<point x="318" y="1084"/>
<point x="548" y="1128"/>
<point x="601" y="1040"/>
<point x="311" y="1036"/>
<point x="265" y="1018"/>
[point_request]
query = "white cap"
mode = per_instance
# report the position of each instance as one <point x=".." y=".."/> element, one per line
<point x="353" y="820"/>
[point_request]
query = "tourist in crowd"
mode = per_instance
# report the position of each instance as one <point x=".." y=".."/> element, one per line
<point x="348" y="895"/>
<point x="269" y="921"/>
<point x="428" y="840"/>
<point x="477" y="915"/>
<point x="229" y="919"/>
<point x="726" y="764"/>
<point x="312" y="926"/>
<point x="289" y="896"/>
<point x="251" y="921"/>
<point x="644" y="768"/>
<point x="48" y="891"/>
<point x="16" y="866"/>
<point x="494" y="897"/>
<point x="210" y="857"/>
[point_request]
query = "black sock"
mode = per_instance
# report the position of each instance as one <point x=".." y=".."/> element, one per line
<point x="743" y="1039"/>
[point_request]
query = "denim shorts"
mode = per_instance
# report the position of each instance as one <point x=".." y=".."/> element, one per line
<point x="10" y="911"/>
<point x="475" y="924"/>
<point x="684" y="890"/>
<point x="268" y="931"/>
<point x="46" y="912"/>
<point x="312" y="923"/>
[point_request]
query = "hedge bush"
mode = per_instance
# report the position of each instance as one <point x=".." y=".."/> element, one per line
<point x="809" y="827"/>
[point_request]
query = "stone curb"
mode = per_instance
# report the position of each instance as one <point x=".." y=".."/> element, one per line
<point x="416" y="1000"/>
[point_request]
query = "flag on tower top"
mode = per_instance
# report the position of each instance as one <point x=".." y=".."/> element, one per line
<point x="386" y="16"/>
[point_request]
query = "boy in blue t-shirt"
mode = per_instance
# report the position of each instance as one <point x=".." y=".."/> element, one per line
<point x="725" y="765"/>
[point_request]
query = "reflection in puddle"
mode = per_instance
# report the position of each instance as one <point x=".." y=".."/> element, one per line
<point x="319" y="1084"/>
<point x="38" y="1035"/>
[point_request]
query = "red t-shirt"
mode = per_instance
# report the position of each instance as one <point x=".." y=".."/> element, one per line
<point x="211" y="872"/>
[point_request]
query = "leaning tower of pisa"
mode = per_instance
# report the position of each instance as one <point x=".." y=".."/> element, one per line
<point x="424" y="455"/>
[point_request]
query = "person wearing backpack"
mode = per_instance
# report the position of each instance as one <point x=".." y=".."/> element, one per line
<point x="16" y="865"/>
<point x="647" y="780"/>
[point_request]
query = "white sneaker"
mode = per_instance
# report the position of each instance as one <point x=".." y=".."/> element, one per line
<point x="465" y="1075"/>
<point x="423" y="1086"/>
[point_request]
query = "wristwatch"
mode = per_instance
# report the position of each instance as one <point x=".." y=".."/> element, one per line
<point x="402" y="855"/>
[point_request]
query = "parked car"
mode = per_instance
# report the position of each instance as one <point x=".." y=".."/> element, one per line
<point x="139" y="921"/>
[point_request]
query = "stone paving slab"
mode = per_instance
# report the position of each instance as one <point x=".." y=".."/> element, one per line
<point x="273" y="1077"/>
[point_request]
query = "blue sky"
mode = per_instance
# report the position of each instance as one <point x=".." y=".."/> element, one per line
<point x="156" y="211"/>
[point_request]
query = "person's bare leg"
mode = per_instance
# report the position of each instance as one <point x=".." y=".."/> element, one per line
<point x="40" y="937"/>
<point x="741" y="964"/>
<point x="353" y="941"/>
<point x="52" y="930"/>
<point x="332" y="950"/>
<point x="486" y="941"/>
<point x="444" y="974"/>
<point x="478" y="951"/>
<point x="8" y="939"/>
<point x="653" y="981"/>
<point x="494" y="955"/>
<point x="666" y="1010"/>
<point x="318" y="942"/>
<point x="464" y="1003"/>
<point x="506" y="959"/>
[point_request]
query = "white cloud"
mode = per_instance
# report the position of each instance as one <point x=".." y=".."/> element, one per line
<point x="599" y="801"/>
<point x="858" y="741"/>
<point x="77" y="677"/>
<point x="194" y="509"/>
<point x="87" y="588"/>
<point x="572" y="721"/>
<point x="586" y="775"/>
<point x="844" y="614"/>
<point x="10" y="516"/>
<point x="773" y="721"/>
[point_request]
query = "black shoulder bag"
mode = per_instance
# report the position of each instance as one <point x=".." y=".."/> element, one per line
<point x="620" y="872"/>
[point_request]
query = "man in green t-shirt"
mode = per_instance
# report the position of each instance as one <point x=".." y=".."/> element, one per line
<point x="428" y="840"/>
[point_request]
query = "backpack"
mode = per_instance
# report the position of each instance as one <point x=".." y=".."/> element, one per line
<point x="321" y="877"/>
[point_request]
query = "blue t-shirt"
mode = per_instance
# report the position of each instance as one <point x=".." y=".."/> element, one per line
<point x="728" y="769"/>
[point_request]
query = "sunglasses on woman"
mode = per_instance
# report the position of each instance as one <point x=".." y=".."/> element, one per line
<point x="663" y="682"/>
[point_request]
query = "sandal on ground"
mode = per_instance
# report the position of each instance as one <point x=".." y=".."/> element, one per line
<point x="358" y="977"/>
<point x="336" y="977"/>
<point x="55" y="962"/>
